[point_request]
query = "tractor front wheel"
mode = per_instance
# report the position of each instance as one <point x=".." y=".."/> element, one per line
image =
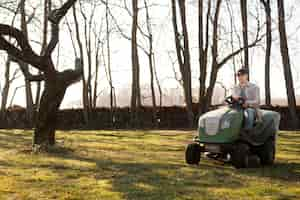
<point x="193" y="154"/>
<point x="240" y="156"/>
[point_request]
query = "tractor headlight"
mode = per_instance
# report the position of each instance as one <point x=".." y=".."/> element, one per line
<point x="225" y="123"/>
<point x="201" y="123"/>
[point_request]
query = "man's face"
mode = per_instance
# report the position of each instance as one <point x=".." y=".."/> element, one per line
<point x="243" y="78"/>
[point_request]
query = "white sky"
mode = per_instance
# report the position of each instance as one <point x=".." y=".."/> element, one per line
<point x="164" y="49"/>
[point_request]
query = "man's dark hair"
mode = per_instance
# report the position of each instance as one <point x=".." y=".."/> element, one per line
<point x="242" y="71"/>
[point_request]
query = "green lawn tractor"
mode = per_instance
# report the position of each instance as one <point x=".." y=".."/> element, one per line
<point x="221" y="136"/>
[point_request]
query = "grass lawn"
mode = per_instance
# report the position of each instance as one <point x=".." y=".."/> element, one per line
<point x="137" y="165"/>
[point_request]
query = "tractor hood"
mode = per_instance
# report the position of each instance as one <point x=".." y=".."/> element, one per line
<point x="221" y="125"/>
<point x="216" y="113"/>
<point x="211" y="120"/>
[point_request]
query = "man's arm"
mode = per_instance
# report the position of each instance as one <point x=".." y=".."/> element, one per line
<point x="255" y="99"/>
<point x="235" y="92"/>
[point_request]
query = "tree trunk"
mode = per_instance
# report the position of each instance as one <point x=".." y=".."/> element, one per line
<point x="215" y="65"/>
<point x="203" y="49"/>
<point x="44" y="133"/>
<point x="97" y="64"/>
<point x="112" y="89"/>
<point x="87" y="39"/>
<point x="85" y="98"/>
<point x="287" y="65"/>
<point x="232" y="31"/>
<point x="150" y="55"/>
<point x="135" y="94"/>
<point x="267" y="7"/>
<point x="183" y="56"/>
<point x="56" y="84"/>
<point x="6" y="87"/>
<point x="47" y="9"/>
<point x="25" y="67"/>
<point x="157" y="83"/>
<point x="244" y="15"/>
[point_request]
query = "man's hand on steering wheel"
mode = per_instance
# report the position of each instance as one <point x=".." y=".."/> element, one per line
<point x="245" y="105"/>
<point x="236" y="97"/>
<point x="236" y="100"/>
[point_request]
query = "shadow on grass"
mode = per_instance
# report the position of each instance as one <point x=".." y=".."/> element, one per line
<point x="153" y="180"/>
<point x="10" y="141"/>
<point x="279" y="171"/>
<point x="137" y="180"/>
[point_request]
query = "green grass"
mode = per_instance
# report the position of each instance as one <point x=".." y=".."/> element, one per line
<point x="137" y="165"/>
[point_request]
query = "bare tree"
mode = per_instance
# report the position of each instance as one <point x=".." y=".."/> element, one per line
<point x="287" y="64"/>
<point x="7" y="75"/>
<point x="56" y="82"/>
<point x="6" y="87"/>
<point x="218" y="63"/>
<point x="108" y="52"/>
<point x="203" y="50"/>
<point x="97" y="66"/>
<point x="85" y="98"/>
<point x="267" y="8"/>
<point x="149" y="51"/>
<point x="244" y="14"/>
<point x="47" y="9"/>
<point x="8" y="79"/>
<point x="25" y="67"/>
<point x="135" y="90"/>
<point x="232" y="31"/>
<point x="87" y="20"/>
<point x="183" y="54"/>
<point x="150" y="54"/>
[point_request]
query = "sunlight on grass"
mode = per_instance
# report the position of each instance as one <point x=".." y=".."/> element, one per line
<point x="137" y="165"/>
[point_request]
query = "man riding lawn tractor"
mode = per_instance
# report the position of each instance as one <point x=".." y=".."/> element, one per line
<point x="240" y="132"/>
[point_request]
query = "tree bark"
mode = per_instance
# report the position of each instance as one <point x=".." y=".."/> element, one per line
<point x="97" y="65"/>
<point x="135" y="90"/>
<point x="44" y="133"/>
<point x="112" y="89"/>
<point x="47" y="9"/>
<point x="88" y="51"/>
<point x="86" y="109"/>
<point x="267" y="8"/>
<point x="183" y="56"/>
<point x="150" y="55"/>
<point x="56" y="84"/>
<point x="287" y="65"/>
<point x="6" y="87"/>
<point x="244" y="15"/>
<point x="203" y="49"/>
<point x="25" y="67"/>
<point x="215" y="64"/>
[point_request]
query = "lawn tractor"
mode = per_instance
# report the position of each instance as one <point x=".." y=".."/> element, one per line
<point x="221" y="136"/>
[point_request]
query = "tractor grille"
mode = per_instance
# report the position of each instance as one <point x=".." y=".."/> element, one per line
<point x="212" y="125"/>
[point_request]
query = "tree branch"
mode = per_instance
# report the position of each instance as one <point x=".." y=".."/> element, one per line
<point x="55" y="17"/>
<point x="227" y="58"/>
<point x="28" y="76"/>
<point x="24" y="51"/>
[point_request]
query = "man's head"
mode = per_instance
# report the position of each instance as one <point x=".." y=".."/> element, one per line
<point x="243" y="75"/>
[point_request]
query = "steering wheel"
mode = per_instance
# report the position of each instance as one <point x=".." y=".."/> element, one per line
<point x="231" y="101"/>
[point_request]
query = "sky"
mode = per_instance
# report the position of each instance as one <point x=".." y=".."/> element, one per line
<point x="165" y="56"/>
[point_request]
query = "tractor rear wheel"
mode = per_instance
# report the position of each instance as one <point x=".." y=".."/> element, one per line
<point x="240" y="156"/>
<point x="267" y="152"/>
<point x="193" y="154"/>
